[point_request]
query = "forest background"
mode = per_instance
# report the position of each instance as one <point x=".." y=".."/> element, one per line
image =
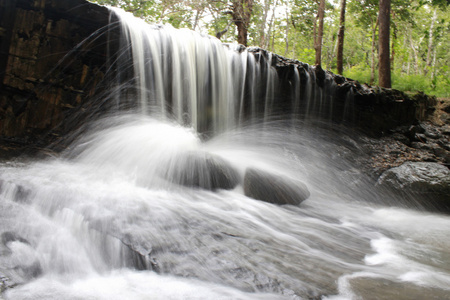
<point x="419" y="33"/>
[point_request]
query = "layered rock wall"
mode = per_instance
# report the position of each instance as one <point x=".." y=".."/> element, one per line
<point x="52" y="59"/>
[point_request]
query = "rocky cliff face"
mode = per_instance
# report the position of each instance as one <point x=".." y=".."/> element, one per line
<point x="54" y="59"/>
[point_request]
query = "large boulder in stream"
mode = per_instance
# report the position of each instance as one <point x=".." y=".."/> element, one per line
<point x="202" y="170"/>
<point x="274" y="188"/>
<point x="421" y="180"/>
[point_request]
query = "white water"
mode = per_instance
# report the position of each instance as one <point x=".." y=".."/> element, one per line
<point x="72" y="214"/>
<point x="100" y="222"/>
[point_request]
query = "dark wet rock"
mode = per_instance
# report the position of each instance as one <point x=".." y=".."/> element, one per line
<point x="427" y="180"/>
<point x="414" y="129"/>
<point x="203" y="170"/>
<point x="443" y="154"/>
<point x="444" y="144"/>
<point x="421" y="137"/>
<point x="445" y="117"/>
<point x="446" y="107"/>
<point x="421" y="146"/>
<point x="432" y="132"/>
<point x="272" y="188"/>
<point x="406" y="143"/>
<point x="402" y="138"/>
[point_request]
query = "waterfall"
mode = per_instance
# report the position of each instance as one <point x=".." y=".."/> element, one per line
<point x="130" y="210"/>
<point x="192" y="78"/>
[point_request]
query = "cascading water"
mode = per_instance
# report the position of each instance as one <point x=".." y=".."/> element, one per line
<point x="193" y="79"/>
<point x="107" y="221"/>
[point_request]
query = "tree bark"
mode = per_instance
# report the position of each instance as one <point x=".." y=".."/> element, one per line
<point x="242" y="11"/>
<point x="319" y="37"/>
<point x="394" y="39"/>
<point x="384" y="62"/>
<point x="372" y="63"/>
<point x="415" y="55"/>
<point x="262" y="29"/>
<point x="430" y="43"/>
<point x="287" y="32"/>
<point x="270" y="34"/>
<point x="340" y="48"/>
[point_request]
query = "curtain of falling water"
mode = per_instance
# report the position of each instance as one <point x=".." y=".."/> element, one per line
<point x="196" y="79"/>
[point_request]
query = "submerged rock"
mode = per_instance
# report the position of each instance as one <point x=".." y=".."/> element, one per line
<point x="427" y="180"/>
<point x="203" y="170"/>
<point x="278" y="189"/>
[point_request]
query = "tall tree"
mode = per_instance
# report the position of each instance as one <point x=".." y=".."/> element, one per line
<point x="430" y="42"/>
<point x="340" y="47"/>
<point x="384" y="62"/>
<point x="372" y="52"/>
<point x="319" y="33"/>
<point x="242" y="12"/>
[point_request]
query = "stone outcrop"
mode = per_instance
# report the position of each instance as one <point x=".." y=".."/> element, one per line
<point x="421" y="180"/>
<point x="202" y="170"/>
<point x="52" y="59"/>
<point x="423" y="141"/>
<point x="273" y="188"/>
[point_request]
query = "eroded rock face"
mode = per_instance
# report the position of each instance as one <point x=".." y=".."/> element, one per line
<point x="427" y="180"/>
<point x="202" y="170"/>
<point x="272" y="188"/>
<point x="51" y="61"/>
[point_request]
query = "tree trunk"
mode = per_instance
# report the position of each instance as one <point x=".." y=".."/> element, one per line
<point x="430" y="43"/>
<point x="340" y="47"/>
<point x="394" y="38"/>
<point x="242" y="11"/>
<point x="269" y="31"/>
<point x="262" y="29"/>
<point x="197" y="16"/>
<point x="319" y="37"/>
<point x="287" y="32"/>
<point x="372" y="63"/>
<point x="332" y="53"/>
<point x="415" y="55"/>
<point x="433" y="66"/>
<point x="384" y="62"/>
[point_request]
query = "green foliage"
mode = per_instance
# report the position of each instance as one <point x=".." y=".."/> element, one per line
<point x="359" y="73"/>
<point x="410" y="83"/>
<point x="307" y="55"/>
<point x="438" y="86"/>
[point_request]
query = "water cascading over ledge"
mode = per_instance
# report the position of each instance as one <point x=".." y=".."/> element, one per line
<point x="214" y="87"/>
<point x="59" y="63"/>
<point x="193" y="79"/>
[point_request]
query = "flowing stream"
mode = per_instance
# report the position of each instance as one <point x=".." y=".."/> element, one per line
<point x="100" y="221"/>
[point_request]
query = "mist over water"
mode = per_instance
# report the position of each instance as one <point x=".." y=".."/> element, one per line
<point x="103" y="220"/>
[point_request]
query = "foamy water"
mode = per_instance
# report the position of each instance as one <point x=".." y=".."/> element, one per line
<point x="78" y="219"/>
